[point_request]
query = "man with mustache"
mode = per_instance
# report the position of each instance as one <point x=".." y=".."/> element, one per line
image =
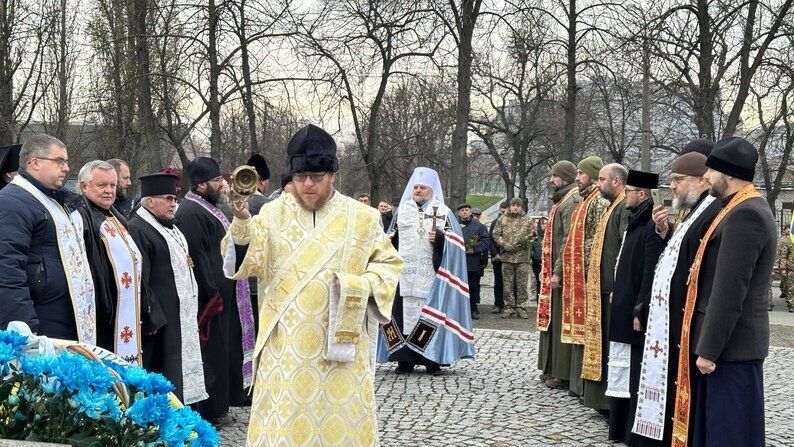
<point x="115" y="263"/>
<point x="431" y="318"/>
<point x="225" y="314"/>
<point x="575" y="261"/>
<point x="664" y="308"/>
<point x="725" y="327"/>
<point x="327" y="274"/>
<point x="45" y="280"/>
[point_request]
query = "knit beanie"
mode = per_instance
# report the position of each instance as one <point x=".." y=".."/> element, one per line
<point x="591" y="166"/>
<point x="565" y="170"/>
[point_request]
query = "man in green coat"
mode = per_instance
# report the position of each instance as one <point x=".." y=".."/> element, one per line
<point x="600" y="282"/>
<point x="554" y="357"/>
<point x="513" y="234"/>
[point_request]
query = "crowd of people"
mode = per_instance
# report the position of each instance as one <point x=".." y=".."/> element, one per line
<point x="653" y="316"/>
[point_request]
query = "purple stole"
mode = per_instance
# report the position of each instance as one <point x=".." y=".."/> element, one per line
<point x="243" y="298"/>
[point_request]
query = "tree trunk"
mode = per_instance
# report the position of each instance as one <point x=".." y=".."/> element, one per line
<point x="705" y="92"/>
<point x="149" y="126"/>
<point x="7" y="119"/>
<point x="645" y="158"/>
<point x="247" y="94"/>
<point x="469" y="11"/>
<point x="215" y="73"/>
<point x="62" y="113"/>
<point x="569" y="134"/>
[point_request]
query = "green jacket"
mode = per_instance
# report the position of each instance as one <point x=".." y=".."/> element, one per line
<point x="513" y="234"/>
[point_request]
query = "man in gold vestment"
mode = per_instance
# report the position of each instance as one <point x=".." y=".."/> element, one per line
<point x="327" y="275"/>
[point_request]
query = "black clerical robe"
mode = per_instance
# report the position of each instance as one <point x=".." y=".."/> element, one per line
<point x="105" y="290"/>
<point x="222" y="350"/>
<point x="162" y="351"/>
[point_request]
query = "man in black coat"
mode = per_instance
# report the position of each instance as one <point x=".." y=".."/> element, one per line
<point x="33" y="281"/>
<point x="690" y="192"/>
<point x="634" y="272"/>
<point x="204" y="226"/>
<point x="475" y="236"/>
<point x="730" y="324"/>
<point x="496" y="263"/>
<point x="9" y="163"/>
<point x="255" y="203"/>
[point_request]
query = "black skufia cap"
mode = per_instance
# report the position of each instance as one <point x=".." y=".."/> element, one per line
<point x="158" y="184"/>
<point x="9" y="158"/>
<point x="258" y="162"/>
<point x="641" y="179"/>
<point x="734" y="156"/>
<point x="202" y="169"/>
<point x="700" y="145"/>
<point x="312" y="149"/>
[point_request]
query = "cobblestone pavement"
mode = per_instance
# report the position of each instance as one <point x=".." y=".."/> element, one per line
<point x="496" y="400"/>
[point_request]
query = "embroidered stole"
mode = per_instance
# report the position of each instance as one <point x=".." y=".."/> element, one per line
<point x="187" y="292"/>
<point x="544" y="297"/>
<point x="652" y="392"/>
<point x="125" y="259"/>
<point x="573" y="284"/>
<point x="591" y="368"/>
<point x="71" y="247"/>
<point x="302" y="265"/>
<point x="683" y="391"/>
<point x="243" y="296"/>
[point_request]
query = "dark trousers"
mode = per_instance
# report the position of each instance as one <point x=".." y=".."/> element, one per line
<point x="498" y="285"/>
<point x="729" y="406"/>
<point x="536" y="266"/>
<point x="474" y="289"/>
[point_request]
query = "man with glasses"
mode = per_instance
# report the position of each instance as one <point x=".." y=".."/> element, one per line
<point x="226" y="321"/>
<point x="327" y="275"/>
<point x="690" y="190"/>
<point x="628" y="306"/>
<point x="45" y="279"/>
<point x="170" y="338"/>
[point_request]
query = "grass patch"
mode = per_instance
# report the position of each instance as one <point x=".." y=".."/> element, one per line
<point x="482" y="202"/>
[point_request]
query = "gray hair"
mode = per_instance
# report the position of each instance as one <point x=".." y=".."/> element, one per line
<point x="86" y="172"/>
<point x="37" y="146"/>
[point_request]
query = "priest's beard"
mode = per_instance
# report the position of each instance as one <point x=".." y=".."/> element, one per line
<point x="121" y="194"/>
<point x="316" y="203"/>
<point x="720" y="187"/>
<point x="213" y="195"/>
<point x="687" y="200"/>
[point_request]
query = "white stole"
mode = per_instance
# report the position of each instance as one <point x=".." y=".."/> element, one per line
<point x="652" y="392"/>
<point x="69" y="234"/>
<point x="126" y="262"/>
<point x="187" y="291"/>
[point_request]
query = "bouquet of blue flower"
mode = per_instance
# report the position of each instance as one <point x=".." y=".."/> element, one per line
<point x="66" y="398"/>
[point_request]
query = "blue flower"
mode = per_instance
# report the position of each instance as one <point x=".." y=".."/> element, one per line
<point x="149" y="383"/>
<point x="149" y="410"/>
<point x="207" y="435"/>
<point x="90" y="403"/>
<point x="36" y="365"/>
<point x="17" y="341"/>
<point x="7" y="352"/>
<point x="52" y="386"/>
<point x="77" y="373"/>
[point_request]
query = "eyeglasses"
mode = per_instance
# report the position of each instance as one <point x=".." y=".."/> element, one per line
<point x="678" y="178"/>
<point x="628" y="190"/>
<point x="59" y="161"/>
<point x="167" y="198"/>
<point x="316" y="177"/>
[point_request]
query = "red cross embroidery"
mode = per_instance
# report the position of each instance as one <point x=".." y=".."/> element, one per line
<point x="126" y="280"/>
<point x="109" y="228"/>
<point x="656" y="349"/>
<point x="660" y="298"/>
<point x="126" y="334"/>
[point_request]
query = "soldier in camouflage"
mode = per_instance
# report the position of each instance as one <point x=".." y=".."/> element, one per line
<point x="513" y="234"/>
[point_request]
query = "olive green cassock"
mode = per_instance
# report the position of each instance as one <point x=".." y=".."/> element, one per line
<point x="554" y="357"/>
<point x="594" y="392"/>
<point x="594" y="212"/>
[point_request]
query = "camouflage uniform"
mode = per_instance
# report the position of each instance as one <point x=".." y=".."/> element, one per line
<point x="513" y="235"/>
<point x="784" y="248"/>
<point x="787" y="264"/>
